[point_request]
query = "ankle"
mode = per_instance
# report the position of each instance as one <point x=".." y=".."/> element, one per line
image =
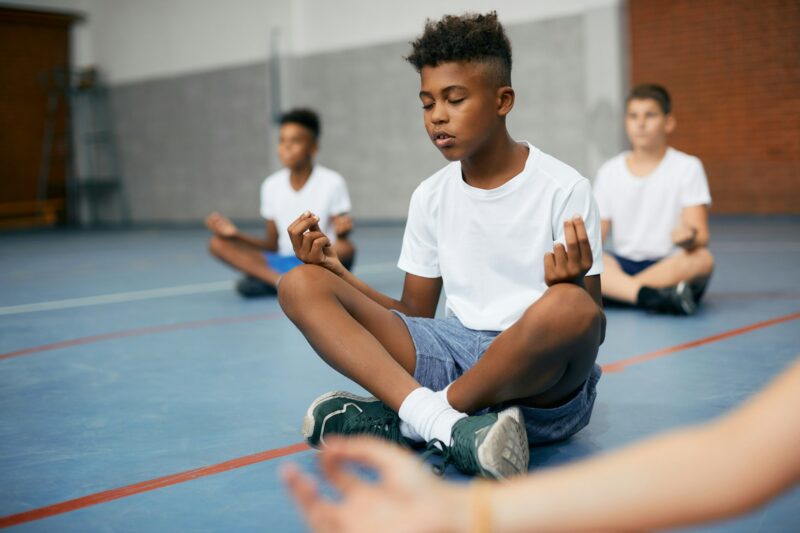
<point x="649" y="297"/>
<point x="429" y="415"/>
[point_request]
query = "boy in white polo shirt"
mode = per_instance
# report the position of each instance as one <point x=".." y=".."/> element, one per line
<point x="299" y="186"/>
<point x="513" y="360"/>
<point x="654" y="201"/>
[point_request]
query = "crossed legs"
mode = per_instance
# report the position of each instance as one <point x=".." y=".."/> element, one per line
<point x="539" y="361"/>
<point x="693" y="266"/>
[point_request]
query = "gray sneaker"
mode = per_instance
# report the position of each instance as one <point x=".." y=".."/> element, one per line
<point x="492" y="445"/>
<point x="342" y="413"/>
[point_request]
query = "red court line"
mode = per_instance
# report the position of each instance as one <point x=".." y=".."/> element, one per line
<point x="139" y="331"/>
<point x="145" y="486"/>
<point x="618" y="366"/>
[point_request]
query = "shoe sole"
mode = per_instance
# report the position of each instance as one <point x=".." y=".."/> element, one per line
<point x="309" y="420"/>
<point x="504" y="451"/>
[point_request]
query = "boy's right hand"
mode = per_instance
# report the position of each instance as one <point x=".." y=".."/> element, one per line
<point x="569" y="264"/>
<point x="311" y="246"/>
<point x="342" y="225"/>
<point x="220" y="225"/>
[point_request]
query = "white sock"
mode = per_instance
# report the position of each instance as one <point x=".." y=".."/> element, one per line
<point x="443" y="395"/>
<point x="428" y="415"/>
<point x="408" y="432"/>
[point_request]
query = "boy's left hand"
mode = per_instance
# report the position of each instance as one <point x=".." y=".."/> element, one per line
<point x="570" y="264"/>
<point x="221" y="225"/>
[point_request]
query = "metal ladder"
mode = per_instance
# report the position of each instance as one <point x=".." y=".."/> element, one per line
<point x="97" y="190"/>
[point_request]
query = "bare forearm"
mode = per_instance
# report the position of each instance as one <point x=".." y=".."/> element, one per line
<point x="699" y="239"/>
<point x="382" y="299"/>
<point x="696" y="219"/>
<point x="642" y="488"/>
<point x="686" y="477"/>
<point x="591" y="284"/>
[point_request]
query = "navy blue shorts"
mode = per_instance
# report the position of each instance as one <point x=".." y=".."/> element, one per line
<point x="631" y="267"/>
<point x="281" y="263"/>
<point x="446" y="349"/>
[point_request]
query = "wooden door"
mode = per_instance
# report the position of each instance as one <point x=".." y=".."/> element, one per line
<point x="34" y="58"/>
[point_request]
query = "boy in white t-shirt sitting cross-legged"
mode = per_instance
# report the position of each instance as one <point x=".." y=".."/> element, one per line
<point x="300" y="185"/>
<point x="654" y="202"/>
<point x="512" y="236"/>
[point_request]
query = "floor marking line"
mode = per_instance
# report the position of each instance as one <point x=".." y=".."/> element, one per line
<point x="118" y="297"/>
<point x="140" y="331"/>
<point x="618" y="366"/>
<point x="145" y="486"/>
<point x="153" y="484"/>
<point x="149" y="294"/>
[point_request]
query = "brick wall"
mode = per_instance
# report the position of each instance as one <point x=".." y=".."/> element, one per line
<point x="733" y="69"/>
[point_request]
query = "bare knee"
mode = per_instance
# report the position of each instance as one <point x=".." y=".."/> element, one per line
<point x="704" y="260"/>
<point x="580" y="309"/>
<point x="568" y="306"/>
<point x="298" y="286"/>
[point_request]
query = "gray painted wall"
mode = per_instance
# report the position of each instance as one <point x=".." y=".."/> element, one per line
<point x="196" y="143"/>
<point x="192" y="144"/>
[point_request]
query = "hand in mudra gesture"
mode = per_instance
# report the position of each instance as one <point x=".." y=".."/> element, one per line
<point x="569" y="264"/>
<point x="311" y="245"/>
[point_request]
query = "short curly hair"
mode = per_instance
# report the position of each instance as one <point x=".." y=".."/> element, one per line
<point x="305" y="117"/>
<point x="467" y="37"/>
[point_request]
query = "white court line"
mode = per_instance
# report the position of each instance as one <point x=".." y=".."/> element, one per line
<point x="148" y="294"/>
<point x="117" y="297"/>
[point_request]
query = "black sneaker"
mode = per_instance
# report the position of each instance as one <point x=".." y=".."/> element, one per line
<point x="699" y="288"/>
<point x="492" y="445"/>
<point x="679" y="299"/>
<point x="342" y="413"/>
<point x="251" y="287"/>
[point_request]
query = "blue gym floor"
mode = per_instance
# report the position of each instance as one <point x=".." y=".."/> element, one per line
<point x="138" y="392"/>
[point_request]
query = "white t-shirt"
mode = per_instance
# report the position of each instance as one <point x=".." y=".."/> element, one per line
<point x="644" y="210"/>
<point x="324" y="194"/>
<point x="488" y="245"/>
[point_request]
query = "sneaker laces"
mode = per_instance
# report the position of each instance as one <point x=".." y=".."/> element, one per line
<point x="385" y="425"/>
<point x="461" y="457"/>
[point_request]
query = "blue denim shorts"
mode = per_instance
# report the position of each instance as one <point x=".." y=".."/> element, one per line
<point x="446" y="349"/>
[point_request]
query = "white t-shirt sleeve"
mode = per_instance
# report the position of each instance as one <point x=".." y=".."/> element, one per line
<point x="602" y="194"/>
<point x="268" y="207"/>
<point x="695" y="187"/>
<point x="340" y="198"/>
<point x="580" y="201"/>
<point x="419" y="254"/>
